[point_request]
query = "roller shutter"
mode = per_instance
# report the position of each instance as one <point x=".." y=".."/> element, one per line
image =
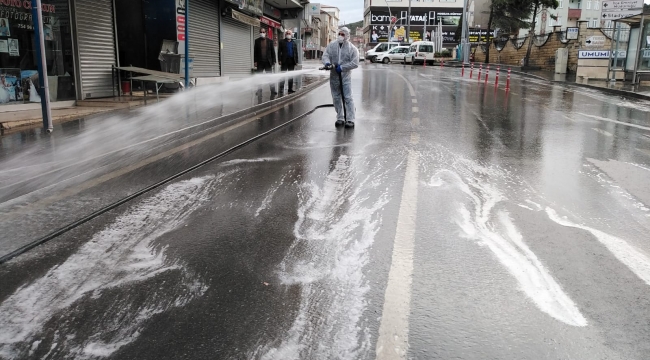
<point x="204" y="37"/>
<point x="95" y="46"/>
<point x="237" y="55"/>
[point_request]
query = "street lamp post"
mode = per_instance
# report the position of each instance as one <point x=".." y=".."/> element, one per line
<point x="408" y="25"/>
<point x="463" y="39"/>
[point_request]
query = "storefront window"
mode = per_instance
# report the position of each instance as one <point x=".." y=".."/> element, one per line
<point x="644" y="63"/>
<point x="18" y="69"/>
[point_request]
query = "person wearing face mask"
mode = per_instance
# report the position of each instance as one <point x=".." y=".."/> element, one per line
<point x="287" y="57"/>
<point x="344" y="57"/>
<point x="264" y="56"/>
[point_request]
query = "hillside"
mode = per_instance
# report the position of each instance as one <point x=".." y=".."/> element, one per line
<point x="353" y="26"/>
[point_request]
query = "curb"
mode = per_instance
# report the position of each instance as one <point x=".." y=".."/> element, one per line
<point x="569" y="84"/>
<point x="13" y="126"/>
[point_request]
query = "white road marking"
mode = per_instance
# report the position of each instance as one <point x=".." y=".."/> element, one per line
<point x="615" y="121"/>
<point x="632" y="257"/>
<point x="415" y="109"/>
<point x="603" y="132"/>
<point x="393" y="330"/>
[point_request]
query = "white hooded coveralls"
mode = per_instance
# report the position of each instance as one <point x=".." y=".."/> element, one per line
<point x="346" y="55"/>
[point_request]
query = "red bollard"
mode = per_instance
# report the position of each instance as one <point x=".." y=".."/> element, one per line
<point x="462" y="72"/>
<point x="496" y="82"/>
<point x="480" y="70"/>
<point x="508" y="81"/>
<point x="487" y="73"/>
<point x="471" y="71"/>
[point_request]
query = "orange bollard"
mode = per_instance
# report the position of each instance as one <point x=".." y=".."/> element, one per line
<point x="487" y="73"/>
<point x="496" y="82"/>
<point x="480" y="70"/>
<point x="462" y="71"/>
<point x="471" y="71"/>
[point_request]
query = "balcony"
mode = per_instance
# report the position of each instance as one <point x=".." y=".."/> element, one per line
<point x="575" y="13"/>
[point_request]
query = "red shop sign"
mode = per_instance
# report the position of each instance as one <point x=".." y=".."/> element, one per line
<point x="270" y="22"/>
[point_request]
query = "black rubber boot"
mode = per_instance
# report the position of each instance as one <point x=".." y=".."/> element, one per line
<point x="349" y="124"/>
<point x="339" y="123"/>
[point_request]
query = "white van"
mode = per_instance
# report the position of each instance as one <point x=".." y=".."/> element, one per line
<point x="420" y="52"/>
<point x="380" y="49"/>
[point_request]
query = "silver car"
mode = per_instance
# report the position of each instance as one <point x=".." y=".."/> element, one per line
<point x="395" y="55"/>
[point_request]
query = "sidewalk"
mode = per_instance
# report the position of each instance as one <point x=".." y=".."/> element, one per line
<point x="619" y="87"/>
<point x="17" y="121"/>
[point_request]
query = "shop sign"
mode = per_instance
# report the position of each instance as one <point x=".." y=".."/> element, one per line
<point x="180" y="25"/>
<point x="245" y="19"/>
<point x="270" y="22"/>
<point x="593" y="54"/>
<point x="479" y="35"/>
<point x="253" y="6"/>
<point x="16" y="15"/>
<point x="421" y="17"/>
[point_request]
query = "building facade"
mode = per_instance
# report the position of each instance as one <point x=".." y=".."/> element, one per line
<point x="424" y="16"/>
<point x="86" y="39"/>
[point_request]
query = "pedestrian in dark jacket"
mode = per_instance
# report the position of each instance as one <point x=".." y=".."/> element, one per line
<point x="264" y="56"/>
<point x="288" y="57"/>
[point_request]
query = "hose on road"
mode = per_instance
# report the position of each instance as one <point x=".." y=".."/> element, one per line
<point x="139" y="193"/>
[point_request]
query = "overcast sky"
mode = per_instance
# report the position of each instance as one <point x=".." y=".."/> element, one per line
<point x="351" y="10"/>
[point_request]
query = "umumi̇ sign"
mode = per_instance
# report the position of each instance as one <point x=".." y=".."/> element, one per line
<point x="593" y="54"/>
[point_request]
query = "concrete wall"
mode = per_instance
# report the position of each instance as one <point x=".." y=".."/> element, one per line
<point x="544" y="56"/>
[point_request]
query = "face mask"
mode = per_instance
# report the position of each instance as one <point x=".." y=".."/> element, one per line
<point x="262" y="35"/>
<point x="288" y="37"/>
<point x="341" y="39"/>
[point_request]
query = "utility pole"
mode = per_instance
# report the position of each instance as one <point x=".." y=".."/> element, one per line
<point x="43" y="83"/>
<point x="408" y="25"/>
<point x="187" y="44"/>
<point x="463" y="37"/>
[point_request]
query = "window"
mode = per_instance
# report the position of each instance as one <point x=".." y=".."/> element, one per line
<point x="559" y="21"/>
<point x="588" y="7"/>
<point x="594" y="23"/>
<point x="426" y="48"/>
<point x="413" y="48"/>
<point x="560" y="4"/>
<point x="596" y="5"/>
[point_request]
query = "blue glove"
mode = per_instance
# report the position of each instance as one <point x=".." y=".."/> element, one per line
<point x="328" y="65"/>
<point x="338" y="69"/>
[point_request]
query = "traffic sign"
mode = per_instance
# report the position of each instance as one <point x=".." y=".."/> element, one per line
<point x="595" y="41"/>
<point x="614" y="15"/>
<point x="609" y="5"/>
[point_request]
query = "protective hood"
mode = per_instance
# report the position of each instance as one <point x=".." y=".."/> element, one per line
<point x="346" y="31"/>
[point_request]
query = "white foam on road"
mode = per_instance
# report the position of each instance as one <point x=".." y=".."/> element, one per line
<point x="637" y="261"/>
<point x="122" y="254"/>
<point x="337" y="224"/>
<point x="495" y="229"/>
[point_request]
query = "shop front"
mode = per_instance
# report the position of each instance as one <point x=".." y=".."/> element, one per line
<point x="239" y="27"/>
<point x="18" y="68"/>
<point x="422" y="23"/>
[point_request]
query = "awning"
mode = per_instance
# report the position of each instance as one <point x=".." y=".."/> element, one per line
<point x="245" y="19"/>
<point x="270" y="22"/>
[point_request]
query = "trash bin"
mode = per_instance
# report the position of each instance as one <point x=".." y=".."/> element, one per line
<point x="126" y="87"/>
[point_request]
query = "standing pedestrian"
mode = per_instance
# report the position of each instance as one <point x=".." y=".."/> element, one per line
<point x="264" y="56"/>
<point x="344" y="57"/>
<point x="288" y="58"/>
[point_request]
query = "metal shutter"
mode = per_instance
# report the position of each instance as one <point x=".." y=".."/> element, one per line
<point x="237" y="48"/>
<point x="204" y="37"/>
<point x="96" y="46"/>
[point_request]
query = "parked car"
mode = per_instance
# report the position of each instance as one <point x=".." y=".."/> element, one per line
<point x="380" y="49"/>
<point x="397" y="54"/>
<point x="419" y="52"/>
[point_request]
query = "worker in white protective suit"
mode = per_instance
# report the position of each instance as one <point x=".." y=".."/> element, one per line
<point x="343" y="56"/>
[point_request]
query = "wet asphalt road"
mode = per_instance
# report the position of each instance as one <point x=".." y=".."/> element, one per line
<point x="461" y="220"/>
